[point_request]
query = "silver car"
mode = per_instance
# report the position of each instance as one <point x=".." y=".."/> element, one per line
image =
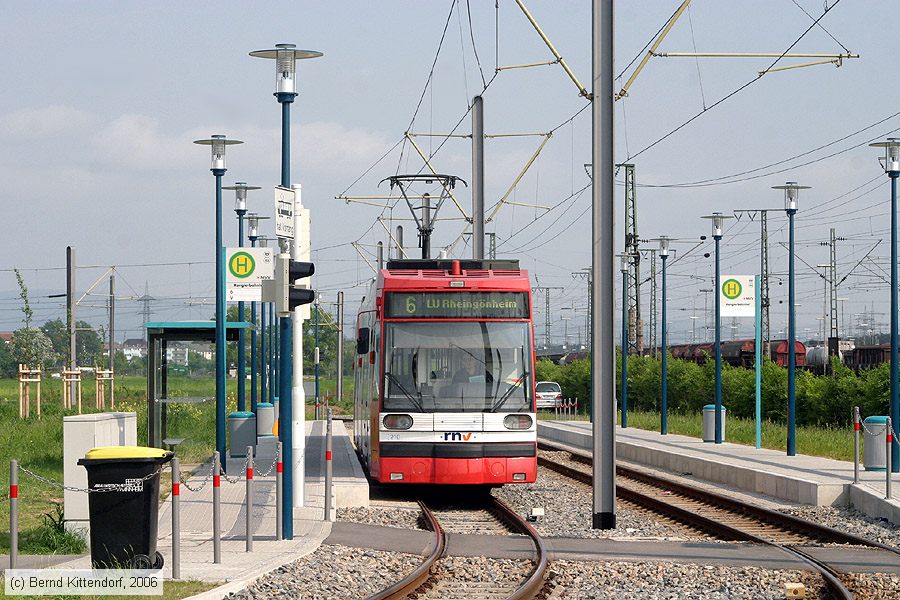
<point x="548" y="394"/>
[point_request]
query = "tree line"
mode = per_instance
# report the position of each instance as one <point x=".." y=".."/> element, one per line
<point x="822" y="400"/>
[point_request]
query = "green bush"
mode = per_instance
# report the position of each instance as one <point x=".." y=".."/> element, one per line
<point x="822" y="400"/>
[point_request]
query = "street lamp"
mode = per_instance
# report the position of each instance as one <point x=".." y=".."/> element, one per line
<point x="664" y="242"/>
<point x="217" y="144"/>
<point x="718" y="222"/>
<point x="286" y="57"/>
<point x="624" y="266"/>
<point x="269" y="372"/>
<point x="240" y="208"/>
<point x="253" y="220"/>
<point x="791" y="196"/>
<point x="891" y="163"/>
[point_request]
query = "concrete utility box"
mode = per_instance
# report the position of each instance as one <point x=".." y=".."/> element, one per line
<point x="709" y="423"/>
<point x="265" y="419"/>
<point x="241" y="433"/>
<point x="80" y="434"/>
<point x="875" y="443"/>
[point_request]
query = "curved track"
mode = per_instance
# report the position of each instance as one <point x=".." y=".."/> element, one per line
<point x="491" y="517"/>
<point x="722" y="516"/>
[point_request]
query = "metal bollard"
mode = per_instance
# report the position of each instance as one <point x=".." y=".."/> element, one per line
<point x="855" y="444"/>
<point x="176" y="518"/>
<point x="328" y="466"/>
<point x="217" y="508"/>
<point x="13" y="513"/>
<point x="249" y="547"/>
<point x="279" y="470"/>
<point x="889" y="439"/>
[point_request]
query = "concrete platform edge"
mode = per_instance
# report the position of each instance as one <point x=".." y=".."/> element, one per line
<point x="318" y="531"/>
<point x="863" y="497"/>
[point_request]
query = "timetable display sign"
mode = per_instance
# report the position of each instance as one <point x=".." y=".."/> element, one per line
<point x="457" y="305"/>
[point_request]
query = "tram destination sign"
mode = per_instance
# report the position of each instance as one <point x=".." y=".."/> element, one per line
<point x="457" y="305"/>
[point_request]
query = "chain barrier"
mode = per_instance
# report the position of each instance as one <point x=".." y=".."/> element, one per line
<point x="114" y="487"/>
<point x="862" y="424"/>
<point x="206" y="479"/>
<point x="270" y="468"/>
<point x="238" y="478"/>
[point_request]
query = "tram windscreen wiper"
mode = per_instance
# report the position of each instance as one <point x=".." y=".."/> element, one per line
<point x="508" y="393"/>
<point x="406" y="393"/>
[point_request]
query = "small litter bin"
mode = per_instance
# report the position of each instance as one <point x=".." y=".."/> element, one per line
<point x="709" y="423"/>
<point x="124" y="517"/>
<point x="874" y="443"/>
<point x="265" y="419"/>
<point x="241" y="432"/>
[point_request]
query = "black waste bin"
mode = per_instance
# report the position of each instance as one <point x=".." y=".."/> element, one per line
<point x="124" y="519"/>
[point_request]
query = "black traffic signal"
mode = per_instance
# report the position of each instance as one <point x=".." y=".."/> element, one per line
<point x="288" y="295"/>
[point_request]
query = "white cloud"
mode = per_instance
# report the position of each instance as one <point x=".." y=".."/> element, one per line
<point x="136" y="141"/>
<point x="332" y="148"/>
<point x="44" y="122"/>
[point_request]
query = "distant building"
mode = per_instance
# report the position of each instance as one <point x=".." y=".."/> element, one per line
<point x="201" y="349"/>
<point x="6" y="336"/>
<point x="134" y="348"/>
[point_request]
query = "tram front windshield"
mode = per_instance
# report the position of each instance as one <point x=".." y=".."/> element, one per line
<point x="461" y="366"/>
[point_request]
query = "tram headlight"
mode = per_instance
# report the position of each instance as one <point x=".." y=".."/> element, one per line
<point x="397" y="421"/>
<point x="517" y="422"/>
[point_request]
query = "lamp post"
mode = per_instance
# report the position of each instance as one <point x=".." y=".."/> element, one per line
<point x="664" y="396"/>
<point x="891" y="164"/>
<point x="266" y="342"/>
<point x="624" y="266"/>
<point x="286" y="57"/>
<point x="253" y="220"/>
<point x="791" y="195"/>
<point x="240" y="209"/>
<point x="718" y="222"/>
<point x="218" y="144"/>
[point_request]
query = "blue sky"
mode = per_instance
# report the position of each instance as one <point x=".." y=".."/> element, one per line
<point x="101" y="101"/>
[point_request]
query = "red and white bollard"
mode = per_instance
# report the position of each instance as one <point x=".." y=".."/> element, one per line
<point x="279" y="483"/>
<point x="328" y="465"/>
<point x="176" y="518"/>
<point x="889" y="440"/>
<point x="249" y="547"/>
<point x="13" y="513"/>
<point x="217" y="507"/>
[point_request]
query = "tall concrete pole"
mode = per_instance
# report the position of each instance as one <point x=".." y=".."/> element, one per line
<point x="478" y="178"/>
<point x="112" y="322"/>
<point x="70" y="313"/>
<point x="603" y="352"/>
<point x="399" y="235"/>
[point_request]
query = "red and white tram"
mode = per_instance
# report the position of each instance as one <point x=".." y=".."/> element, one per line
<point x="444" y="389"/>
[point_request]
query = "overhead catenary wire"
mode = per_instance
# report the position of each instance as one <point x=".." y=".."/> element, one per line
<point x="737" y="90"/>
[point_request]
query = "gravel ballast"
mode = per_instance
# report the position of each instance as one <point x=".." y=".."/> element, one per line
<point x="850" y="521"/>
<point x="332" y="572"/>
<point x="616" y="580"/>
<point x="386" y="516"/>
<point x="567" y="511"/>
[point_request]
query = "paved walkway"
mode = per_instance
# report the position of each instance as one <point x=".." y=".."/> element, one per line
<point x="238" y="567"/>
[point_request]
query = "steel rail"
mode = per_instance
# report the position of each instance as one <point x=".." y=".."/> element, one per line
<point x="535" y="582"/>
<point x="772" y="517"/>
<point x="422" y="573"/>
<point x="722" y="530"/>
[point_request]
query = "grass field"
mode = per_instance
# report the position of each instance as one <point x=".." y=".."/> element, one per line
<point x="37" y="444"/>
<point x="814" y="441"/>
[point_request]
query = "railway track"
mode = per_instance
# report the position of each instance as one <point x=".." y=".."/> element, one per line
<point x="490" y="517"/>
<point x="722" y="516"/>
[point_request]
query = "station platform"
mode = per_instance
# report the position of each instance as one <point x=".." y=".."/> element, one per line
<point x="239" y="567"/>
<point x="801" y="479"/>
